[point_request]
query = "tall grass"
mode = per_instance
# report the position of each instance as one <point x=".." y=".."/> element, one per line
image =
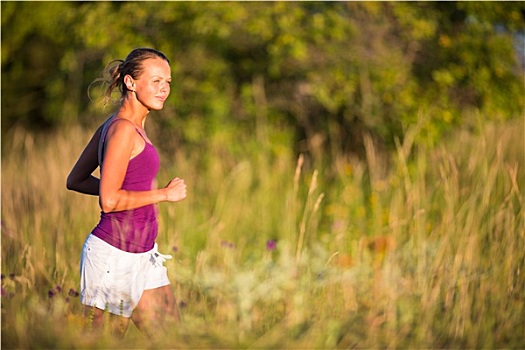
<point x="270" y="252"/>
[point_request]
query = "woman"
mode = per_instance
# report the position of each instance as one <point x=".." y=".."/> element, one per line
<point x="121" y="269"/>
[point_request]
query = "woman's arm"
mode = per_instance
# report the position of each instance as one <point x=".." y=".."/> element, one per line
<point x="80" y="178"/>
<point x="118" y="150"/>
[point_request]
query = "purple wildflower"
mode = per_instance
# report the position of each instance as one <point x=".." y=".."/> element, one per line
<point x="227" y="244"/>
<point x="174" y="249"/>
<point x="51" y="293"/>
<point x="73" y="293"/>
<point x="271" y="245"/>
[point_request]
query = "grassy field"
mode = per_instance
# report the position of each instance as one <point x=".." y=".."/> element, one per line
<point x="270" y="252"/>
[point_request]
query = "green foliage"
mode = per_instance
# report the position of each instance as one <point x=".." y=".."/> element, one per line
<point x="328" y="72"/>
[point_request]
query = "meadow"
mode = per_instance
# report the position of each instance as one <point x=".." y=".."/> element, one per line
<point x="425" y="250"/>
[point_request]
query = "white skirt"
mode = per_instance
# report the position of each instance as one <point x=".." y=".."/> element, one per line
<point x="114" y="280"/>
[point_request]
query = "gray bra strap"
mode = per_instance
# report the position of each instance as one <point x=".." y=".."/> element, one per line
<point x="102" y="139"/>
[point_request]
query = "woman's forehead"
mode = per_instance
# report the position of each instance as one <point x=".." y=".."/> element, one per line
<point x="156" y="66"/>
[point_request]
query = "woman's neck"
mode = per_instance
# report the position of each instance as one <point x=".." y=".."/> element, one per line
<point x="135" y="113"/>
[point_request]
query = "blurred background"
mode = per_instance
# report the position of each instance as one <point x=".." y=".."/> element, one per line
<point x="355" y="170"/>
<point x="312" y="76"/>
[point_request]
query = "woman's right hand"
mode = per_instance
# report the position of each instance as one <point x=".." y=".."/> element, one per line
<point x="175" y="190"/>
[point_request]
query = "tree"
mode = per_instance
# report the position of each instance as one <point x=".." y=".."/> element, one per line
<point x="328" y="72"/>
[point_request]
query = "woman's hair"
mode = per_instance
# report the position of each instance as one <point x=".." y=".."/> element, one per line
<point x="116" y="70"/>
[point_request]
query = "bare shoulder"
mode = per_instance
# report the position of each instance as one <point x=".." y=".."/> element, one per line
<point x="121" y="128"/>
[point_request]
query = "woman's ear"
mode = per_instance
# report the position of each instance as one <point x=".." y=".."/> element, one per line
<point x="130" y="82"/>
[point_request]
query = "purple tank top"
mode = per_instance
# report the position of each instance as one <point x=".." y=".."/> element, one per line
<point x="134" y="230"/>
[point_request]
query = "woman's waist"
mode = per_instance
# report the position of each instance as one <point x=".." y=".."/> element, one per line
<point x="144" y="214"/>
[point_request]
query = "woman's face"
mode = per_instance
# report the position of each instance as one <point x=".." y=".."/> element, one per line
<point x="152" y="87"/>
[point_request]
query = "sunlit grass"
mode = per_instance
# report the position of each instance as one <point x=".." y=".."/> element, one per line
<point x="271" y="252"/>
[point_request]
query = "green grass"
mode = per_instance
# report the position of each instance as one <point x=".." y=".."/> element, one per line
<point x="425" y="252"/>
